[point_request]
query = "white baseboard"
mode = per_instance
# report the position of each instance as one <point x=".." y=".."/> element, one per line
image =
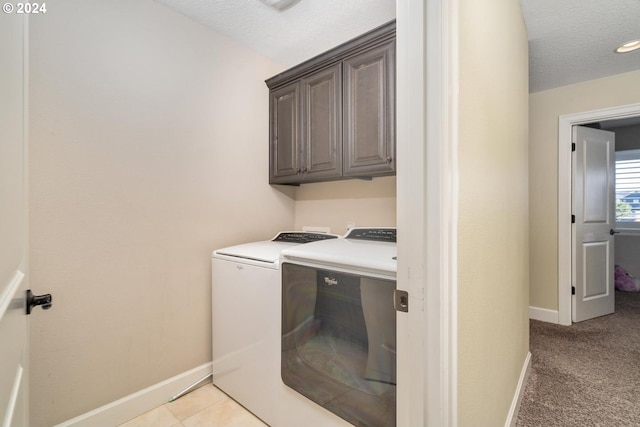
<point x="122" y="410"/>
<point x="512" y="417"/>
<point x="544" y="315"/>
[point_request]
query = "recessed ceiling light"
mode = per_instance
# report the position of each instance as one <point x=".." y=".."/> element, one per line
<point x="628" y="47"/>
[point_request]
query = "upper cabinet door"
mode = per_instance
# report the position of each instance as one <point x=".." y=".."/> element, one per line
<point x="369" y="112"/>
<point x="333" y="116"/>
<point x="284" y="129"/>
<point x="322" y="124"/>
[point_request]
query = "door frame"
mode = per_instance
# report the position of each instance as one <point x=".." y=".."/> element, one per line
<point x="565" y="172"/>
<point x="427" y="111"/>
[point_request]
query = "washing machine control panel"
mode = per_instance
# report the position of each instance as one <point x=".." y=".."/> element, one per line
<point x="375" y="234"/>
<point x="301" y="237"/>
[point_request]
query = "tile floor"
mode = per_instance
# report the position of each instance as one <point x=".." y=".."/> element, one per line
<point x="206" y="406"/>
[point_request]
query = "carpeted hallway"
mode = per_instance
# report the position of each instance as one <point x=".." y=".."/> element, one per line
<point x="587" y="374"/>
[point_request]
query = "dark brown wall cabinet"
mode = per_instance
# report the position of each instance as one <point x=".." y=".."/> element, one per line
<point x="333" y="117"/>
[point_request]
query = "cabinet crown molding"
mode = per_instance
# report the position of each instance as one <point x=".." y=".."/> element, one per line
<point x="350" y="48"/>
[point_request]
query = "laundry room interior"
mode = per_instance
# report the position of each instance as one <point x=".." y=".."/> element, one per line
<point x="148" y="149"/>
<point x="143" y="149"/>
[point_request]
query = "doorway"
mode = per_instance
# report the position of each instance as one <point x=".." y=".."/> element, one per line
<point x="565" y="127"/>
<point x="593" y="219"/>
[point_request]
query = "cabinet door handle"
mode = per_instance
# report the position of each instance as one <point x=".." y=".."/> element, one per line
<point x="389" y="159"/>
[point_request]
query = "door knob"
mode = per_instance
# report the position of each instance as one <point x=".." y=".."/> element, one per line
<point x="33" y="300"/>
<point x="612" y="232"/>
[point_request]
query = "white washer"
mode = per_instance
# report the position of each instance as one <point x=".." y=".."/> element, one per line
<point x="246" y="320"/>
<point x="338" y="356"/>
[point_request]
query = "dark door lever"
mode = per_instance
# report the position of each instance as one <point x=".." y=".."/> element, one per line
<point x="612" y="232"/>
<point x="33" y="300"/>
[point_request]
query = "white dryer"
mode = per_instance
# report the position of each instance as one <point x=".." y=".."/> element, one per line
<point x="246" y="320"/>
<point x="338" y="331"/>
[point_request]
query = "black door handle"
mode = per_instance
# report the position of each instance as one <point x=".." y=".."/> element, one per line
<point x="612" y="232"/>
<point x="33" y="300"/>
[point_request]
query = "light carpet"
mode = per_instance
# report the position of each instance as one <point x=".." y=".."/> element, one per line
<point x="587" y="374"/>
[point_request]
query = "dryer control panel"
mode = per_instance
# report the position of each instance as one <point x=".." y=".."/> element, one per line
<point x="375" y="234"/>
<point x="301" y="237"/>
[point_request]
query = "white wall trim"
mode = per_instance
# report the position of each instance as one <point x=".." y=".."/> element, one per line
<point x="410" y="195"/>
<point x="565" y="124"/>
<point x="427" y="95"/>
<point x="442" y="150"/>
<point x="512" y="417"/>
<point x="543" y="314"/>
<point x="122" y="410"/>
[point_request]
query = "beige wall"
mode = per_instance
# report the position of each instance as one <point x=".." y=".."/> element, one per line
<point x="493" y="243"/>
<point x="544" y="109"/>
<point x="334" y="204"/>
<point x="148" y="150"/>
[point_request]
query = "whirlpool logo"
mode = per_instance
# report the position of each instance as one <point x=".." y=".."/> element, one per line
<point x="330" y="281"/>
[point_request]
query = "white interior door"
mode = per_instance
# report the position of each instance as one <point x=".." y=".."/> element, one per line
<point x="594" y="210"/>
<point x="13" y="237"/>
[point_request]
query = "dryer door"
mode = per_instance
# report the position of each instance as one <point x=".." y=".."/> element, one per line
<point x="339" y="342"/>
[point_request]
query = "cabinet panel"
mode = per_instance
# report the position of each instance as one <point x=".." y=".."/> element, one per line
<point x="284" y="128"/>
<point x="322" y="127"/>
<point x="369" y="112"/>
<point x="333" y="116"/>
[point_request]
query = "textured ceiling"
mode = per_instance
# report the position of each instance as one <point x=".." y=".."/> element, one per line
<point x="291" y="36"/>
<point x="569" y="40"/>
<point x="573" y="40"/>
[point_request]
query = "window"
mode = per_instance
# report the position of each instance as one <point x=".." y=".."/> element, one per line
<point x="628" y="189"/>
